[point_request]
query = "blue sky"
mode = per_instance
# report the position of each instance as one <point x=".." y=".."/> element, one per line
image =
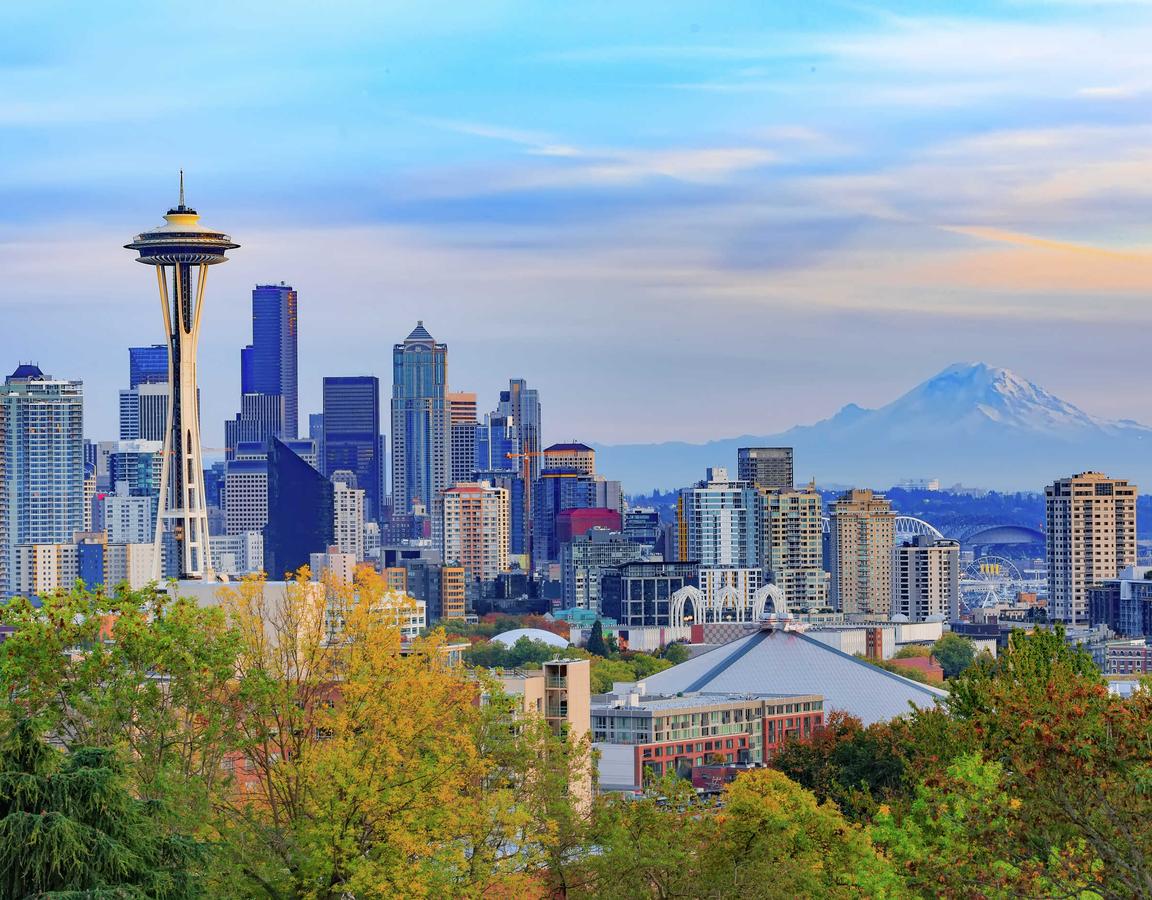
<point x="679" y="220"/>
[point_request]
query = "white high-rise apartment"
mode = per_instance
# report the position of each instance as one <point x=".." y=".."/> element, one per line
<point x="1091" y="537"/>
<point x="41" y="464"/>
<point x="348" y="514"/>
<point x="926" y="579"/>
<point x="719" y="522"/>
<point x="860" y="553"/>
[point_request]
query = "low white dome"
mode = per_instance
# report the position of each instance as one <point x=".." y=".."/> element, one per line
<point x="508" y="638"/>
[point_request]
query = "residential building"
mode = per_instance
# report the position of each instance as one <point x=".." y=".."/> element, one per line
<point x="421" y="433"/>
<point x="640" y="737"/>
<point x="792" y="545"/>
<point x="730" y="590"/>
<point x="351" y="436"/>
<point x="584" y="558"/>
<point x="453" y="598"/>
<point x="766" y="468"/>
<point x="861" y="536"/>
<point x="348" y="514"/>
<point x="238" y="555"/>
<point x="639" y="594"/>
<point x="926" y="579"/>
<point x="720" y="522"/>
<point x="41" y="464"/>
<point x="1091" y="531"/>
<point x="470" y="528"/>
<point x="333" y="564"/>
<point x="1123" y="603"/>
<point x="1128" y="658"/>
<point x="129" y="519"/>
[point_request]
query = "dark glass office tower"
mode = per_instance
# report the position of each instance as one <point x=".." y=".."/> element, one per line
<point x="300" y="512"/>
<point x="147" y="365"/>
<point x="268" y="364"/>
<point x="351" y="435"/>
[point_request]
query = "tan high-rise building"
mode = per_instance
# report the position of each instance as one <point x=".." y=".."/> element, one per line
<point x="860" y="553"/>
<point x="791" y="546"/>
<point x="1091" y="537"/>
<point x="462" y="425"/>
<point x="471" y="528"/>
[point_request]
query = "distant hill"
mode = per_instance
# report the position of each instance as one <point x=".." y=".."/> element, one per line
<point x="971" y="423"/>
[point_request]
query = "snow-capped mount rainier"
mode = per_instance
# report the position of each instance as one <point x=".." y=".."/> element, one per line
<point x="971" y="423"/>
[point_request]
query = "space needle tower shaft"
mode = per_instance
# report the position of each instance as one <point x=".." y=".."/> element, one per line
<point x="181" y="250"/>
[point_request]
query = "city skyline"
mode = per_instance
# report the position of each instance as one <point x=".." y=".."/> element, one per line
<point x="941" y="209"/>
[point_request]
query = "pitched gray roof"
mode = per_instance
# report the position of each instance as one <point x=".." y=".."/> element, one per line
<point x="789" y="662"/>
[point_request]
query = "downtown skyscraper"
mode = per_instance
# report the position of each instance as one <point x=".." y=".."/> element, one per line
<point x="269" y="404"/>
<point x="421" y="425"/>
<point x="350" y="436"/>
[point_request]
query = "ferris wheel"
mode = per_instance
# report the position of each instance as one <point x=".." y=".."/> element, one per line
<point x="989" y="580"/>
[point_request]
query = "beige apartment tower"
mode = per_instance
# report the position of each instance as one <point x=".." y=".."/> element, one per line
<point x="860" y="553"/>
<point x="1091" y="536"/>
<point x="791" y="546"/>
<point x="470" y="527"/>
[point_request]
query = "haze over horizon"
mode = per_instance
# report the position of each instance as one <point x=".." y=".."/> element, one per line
<point x="678" y="223"/>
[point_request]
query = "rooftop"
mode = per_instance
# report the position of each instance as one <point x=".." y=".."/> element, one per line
<point x="790" y="662"/>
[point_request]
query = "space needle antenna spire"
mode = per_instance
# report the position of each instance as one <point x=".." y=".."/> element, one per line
<point x="181" y="250"/>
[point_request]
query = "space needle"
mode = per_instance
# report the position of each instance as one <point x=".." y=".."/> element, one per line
<point x="182" y="250"/>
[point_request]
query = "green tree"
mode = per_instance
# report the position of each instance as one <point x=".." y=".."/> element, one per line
<point x="1074" y="758"/>
<point x="853" y="766"/>
<point x="955" y="653"/>
<point x="769" y="838"/>
<point x="913" y="651"/>
<point x="69" y="826"/>
<point x="676" y="653"/>
<point x="596" y="643"/>
<point x="134" y="671"/>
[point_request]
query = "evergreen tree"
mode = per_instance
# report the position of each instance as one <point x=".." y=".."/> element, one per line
<point x="596" y="643"/>
<point x="69" y="826"/>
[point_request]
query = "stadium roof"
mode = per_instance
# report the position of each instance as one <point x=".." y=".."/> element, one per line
<point x="790" y="662"/>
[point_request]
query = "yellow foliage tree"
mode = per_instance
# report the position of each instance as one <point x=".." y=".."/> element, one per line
<point x="373" y="767"/>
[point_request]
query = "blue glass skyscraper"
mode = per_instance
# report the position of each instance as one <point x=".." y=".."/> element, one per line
<point x="147" y="365"/>
<point x="268" y="364"/>
<point x="421" y="457"/>
<point x="351" y="436"/>
<point x="268" y="380"/>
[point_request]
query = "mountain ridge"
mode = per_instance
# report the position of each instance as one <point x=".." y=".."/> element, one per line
<point x="971" y="423"/>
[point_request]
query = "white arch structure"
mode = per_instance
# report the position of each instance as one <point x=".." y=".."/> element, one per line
<point x="907" y="527"/>
<point x="691" y="607"/>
